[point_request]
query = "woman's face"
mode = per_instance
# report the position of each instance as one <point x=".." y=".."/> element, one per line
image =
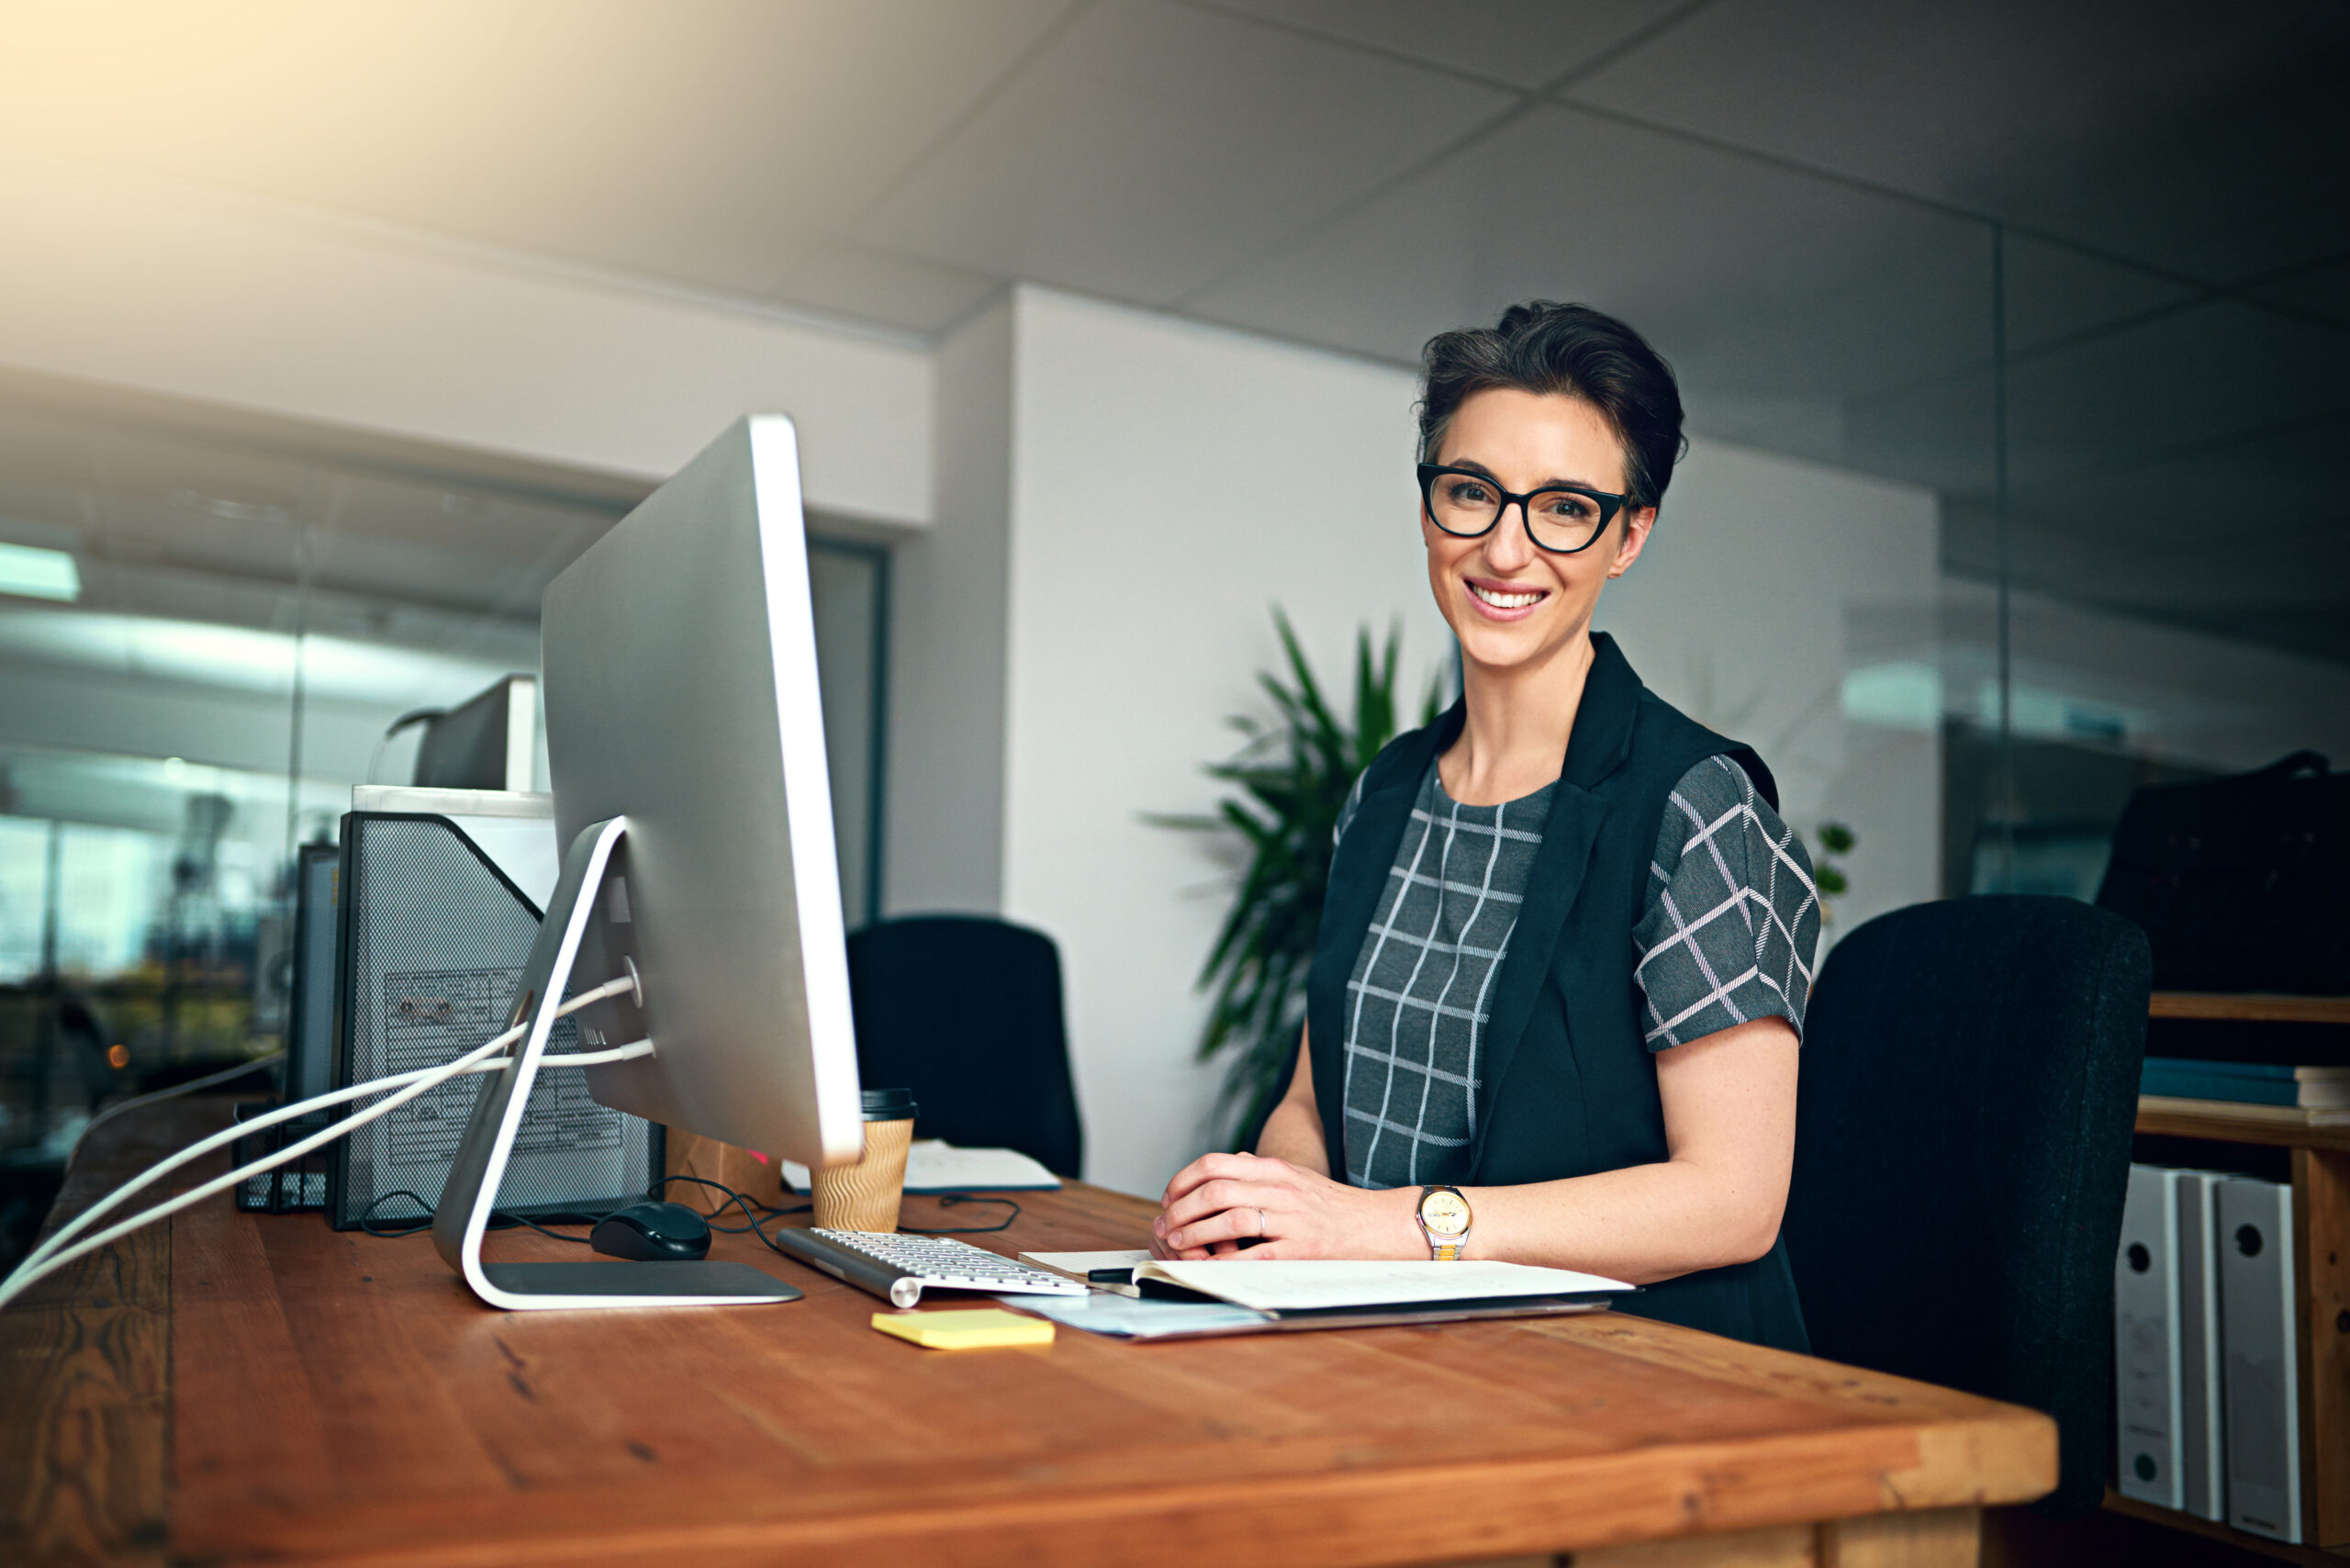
<point x="1511" y="604"/>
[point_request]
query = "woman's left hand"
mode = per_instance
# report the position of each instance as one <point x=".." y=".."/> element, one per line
<point x="1220" y="1200"/>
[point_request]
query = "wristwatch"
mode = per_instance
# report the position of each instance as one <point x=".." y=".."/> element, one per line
<point x="1443" y="1217"/>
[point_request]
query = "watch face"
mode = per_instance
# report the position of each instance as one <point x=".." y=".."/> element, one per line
<point x="1444" y="1213"/>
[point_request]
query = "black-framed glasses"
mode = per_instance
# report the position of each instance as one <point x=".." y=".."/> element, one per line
<point x="1562" y="518"/>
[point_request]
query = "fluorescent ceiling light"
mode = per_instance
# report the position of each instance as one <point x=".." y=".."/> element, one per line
<point x="35" y="572"/>
<point x="240" y="658"/>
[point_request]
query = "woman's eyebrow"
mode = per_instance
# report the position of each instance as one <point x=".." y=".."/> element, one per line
<point x="1552" y="483"/>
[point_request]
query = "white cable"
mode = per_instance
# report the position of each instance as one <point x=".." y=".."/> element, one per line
<point x="229" y="1135"/>
<point x="288" y="1113"/>
<point x="190" y="1087"/>
<point x="32" y="1270"/>
<point x="53" y="1249"/>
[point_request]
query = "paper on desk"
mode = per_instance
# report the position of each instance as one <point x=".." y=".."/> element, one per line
<point x="1307" y="1284"/>
<point x="1127" y="1318"/>
<point x="934" y="1165"/>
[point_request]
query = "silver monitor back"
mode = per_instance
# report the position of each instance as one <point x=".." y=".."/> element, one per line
<point x="679" y="670"/>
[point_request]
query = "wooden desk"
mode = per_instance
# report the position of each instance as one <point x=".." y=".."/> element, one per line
<point x="239" y="1388"/>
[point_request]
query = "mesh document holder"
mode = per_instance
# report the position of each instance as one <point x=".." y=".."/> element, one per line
<point x="301" y="1184"/>
<point x="433" y="941"/>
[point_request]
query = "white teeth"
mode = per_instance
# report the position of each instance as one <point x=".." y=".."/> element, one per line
<point x="1504" y="600"/>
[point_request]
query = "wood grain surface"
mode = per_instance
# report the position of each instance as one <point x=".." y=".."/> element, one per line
<point x="2322" y="1270"/>
<point x="86" y="1368"/>
<point x="2223" y="1123"/>
<point x="2250" y="1007"/>
<point x="335" y="1397"/>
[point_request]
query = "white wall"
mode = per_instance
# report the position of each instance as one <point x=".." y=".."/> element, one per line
<point x="289" y="311"/>
<point x="1171" y="483"/>
<point x="943" y="847"/>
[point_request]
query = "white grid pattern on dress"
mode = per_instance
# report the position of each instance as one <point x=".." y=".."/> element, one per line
<point x="1420" y="987"/>
<point x="1425" y="972"/>
<point x="1744" y="954"/>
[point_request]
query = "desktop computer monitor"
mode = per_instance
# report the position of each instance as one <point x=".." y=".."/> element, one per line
<point x="484" y="743"/>
<point x="686" y="747"/>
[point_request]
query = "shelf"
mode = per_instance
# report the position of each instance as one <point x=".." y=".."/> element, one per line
<point x="2212" y="1529"/>
<point x="2254" y="1007"/>
<point x="2224" y="1123"/>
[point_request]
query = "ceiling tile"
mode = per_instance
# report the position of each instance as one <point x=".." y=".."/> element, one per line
<point x="1153" y="147"/>
<point x="1776" y="295"/>
<point x="2057" y="293"/>
<point x="2321" y="290"/>
<point x="1523" y="42"/>
<point x="859" y="280"/>
<point x="2210" y="376"/>
<point x="707" y="140"/>
<point x="2206" y="140"/>
<point x="2288" y="594"/>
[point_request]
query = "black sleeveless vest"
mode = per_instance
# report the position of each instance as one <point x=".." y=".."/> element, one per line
<point x="1570" y="1087"/>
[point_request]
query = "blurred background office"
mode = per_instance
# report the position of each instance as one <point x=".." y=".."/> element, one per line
<point x="2015" y="339"/>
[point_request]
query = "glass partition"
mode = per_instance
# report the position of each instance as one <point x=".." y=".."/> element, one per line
<point x="206" y="641"/>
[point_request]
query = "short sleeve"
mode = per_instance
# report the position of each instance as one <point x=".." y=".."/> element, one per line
<point x="1732" y="917"/>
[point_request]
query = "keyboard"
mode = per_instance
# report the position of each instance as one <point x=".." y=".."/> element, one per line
<point x="899" y="1268"/>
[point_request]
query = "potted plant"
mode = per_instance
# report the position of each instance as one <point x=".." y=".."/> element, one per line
<point x="1292" y="777"/>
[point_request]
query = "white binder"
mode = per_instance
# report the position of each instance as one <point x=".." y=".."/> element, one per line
<point x="2260" y="1383"/>
<point x="2145" y="1339"/>
<point x="2203" y="1476"/>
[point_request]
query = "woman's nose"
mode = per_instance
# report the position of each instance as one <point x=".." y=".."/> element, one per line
<point x="1509" y="547"/>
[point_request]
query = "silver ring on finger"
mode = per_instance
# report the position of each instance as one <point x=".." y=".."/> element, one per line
<point x="1262" y="1226"/>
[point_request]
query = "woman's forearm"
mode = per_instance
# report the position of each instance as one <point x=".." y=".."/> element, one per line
<point x="1716" y="1199"/>
<point x="1293" y="1132"/>
<point x="1644" y="1224"/>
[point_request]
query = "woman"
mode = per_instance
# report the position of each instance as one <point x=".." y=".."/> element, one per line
<point x="1554" y="1013"/>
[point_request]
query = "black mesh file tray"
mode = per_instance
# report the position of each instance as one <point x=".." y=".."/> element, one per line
<point x="433" y="941"/>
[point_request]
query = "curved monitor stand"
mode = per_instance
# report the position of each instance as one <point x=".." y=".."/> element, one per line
<point x="471" y="1192"/>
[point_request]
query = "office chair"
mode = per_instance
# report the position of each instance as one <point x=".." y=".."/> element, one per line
<point x="966" y="1012"/>
<point x="1962" y="1125"/>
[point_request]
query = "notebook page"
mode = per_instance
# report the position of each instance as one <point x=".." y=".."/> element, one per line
<point x="1308" y="1284"/>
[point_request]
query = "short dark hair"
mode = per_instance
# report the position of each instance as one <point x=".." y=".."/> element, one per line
<point x="1545" y="347"/>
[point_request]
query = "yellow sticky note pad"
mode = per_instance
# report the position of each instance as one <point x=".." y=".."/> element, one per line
<point x="978" y="1329"/>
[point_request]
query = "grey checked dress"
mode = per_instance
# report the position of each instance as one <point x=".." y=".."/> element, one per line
<point x="1726" y="935"/>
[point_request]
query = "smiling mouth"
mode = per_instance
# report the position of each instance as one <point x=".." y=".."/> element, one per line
<point x="1501" y="600"/>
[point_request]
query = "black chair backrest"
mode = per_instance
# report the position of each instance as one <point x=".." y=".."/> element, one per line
<point x="966" y="1012"/>
<point x="1969" y="1085"/>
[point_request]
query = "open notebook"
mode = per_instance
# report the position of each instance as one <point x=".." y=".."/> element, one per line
<point x="1237" y="1297"/>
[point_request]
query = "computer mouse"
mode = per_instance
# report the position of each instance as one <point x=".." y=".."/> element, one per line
<point x="652" y="1233"/>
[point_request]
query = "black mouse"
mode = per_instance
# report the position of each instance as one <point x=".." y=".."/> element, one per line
<point x="652" y="1233"/>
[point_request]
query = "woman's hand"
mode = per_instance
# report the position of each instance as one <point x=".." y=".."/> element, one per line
<point x="1220" y="1200"/>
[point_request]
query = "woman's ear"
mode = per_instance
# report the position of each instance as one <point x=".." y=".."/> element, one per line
<point x="1636" y="524"/>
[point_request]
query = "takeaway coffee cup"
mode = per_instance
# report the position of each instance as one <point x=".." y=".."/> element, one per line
<point x="865" y="1196"/>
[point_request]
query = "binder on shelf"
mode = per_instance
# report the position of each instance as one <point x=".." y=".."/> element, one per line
<point x="2259" y="1379"/>
<point x="2203" y="1475"/>
<point x="2145" y="1339"/>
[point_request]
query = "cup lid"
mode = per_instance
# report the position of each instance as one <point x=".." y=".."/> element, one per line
<point x="888" y="1104"/>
